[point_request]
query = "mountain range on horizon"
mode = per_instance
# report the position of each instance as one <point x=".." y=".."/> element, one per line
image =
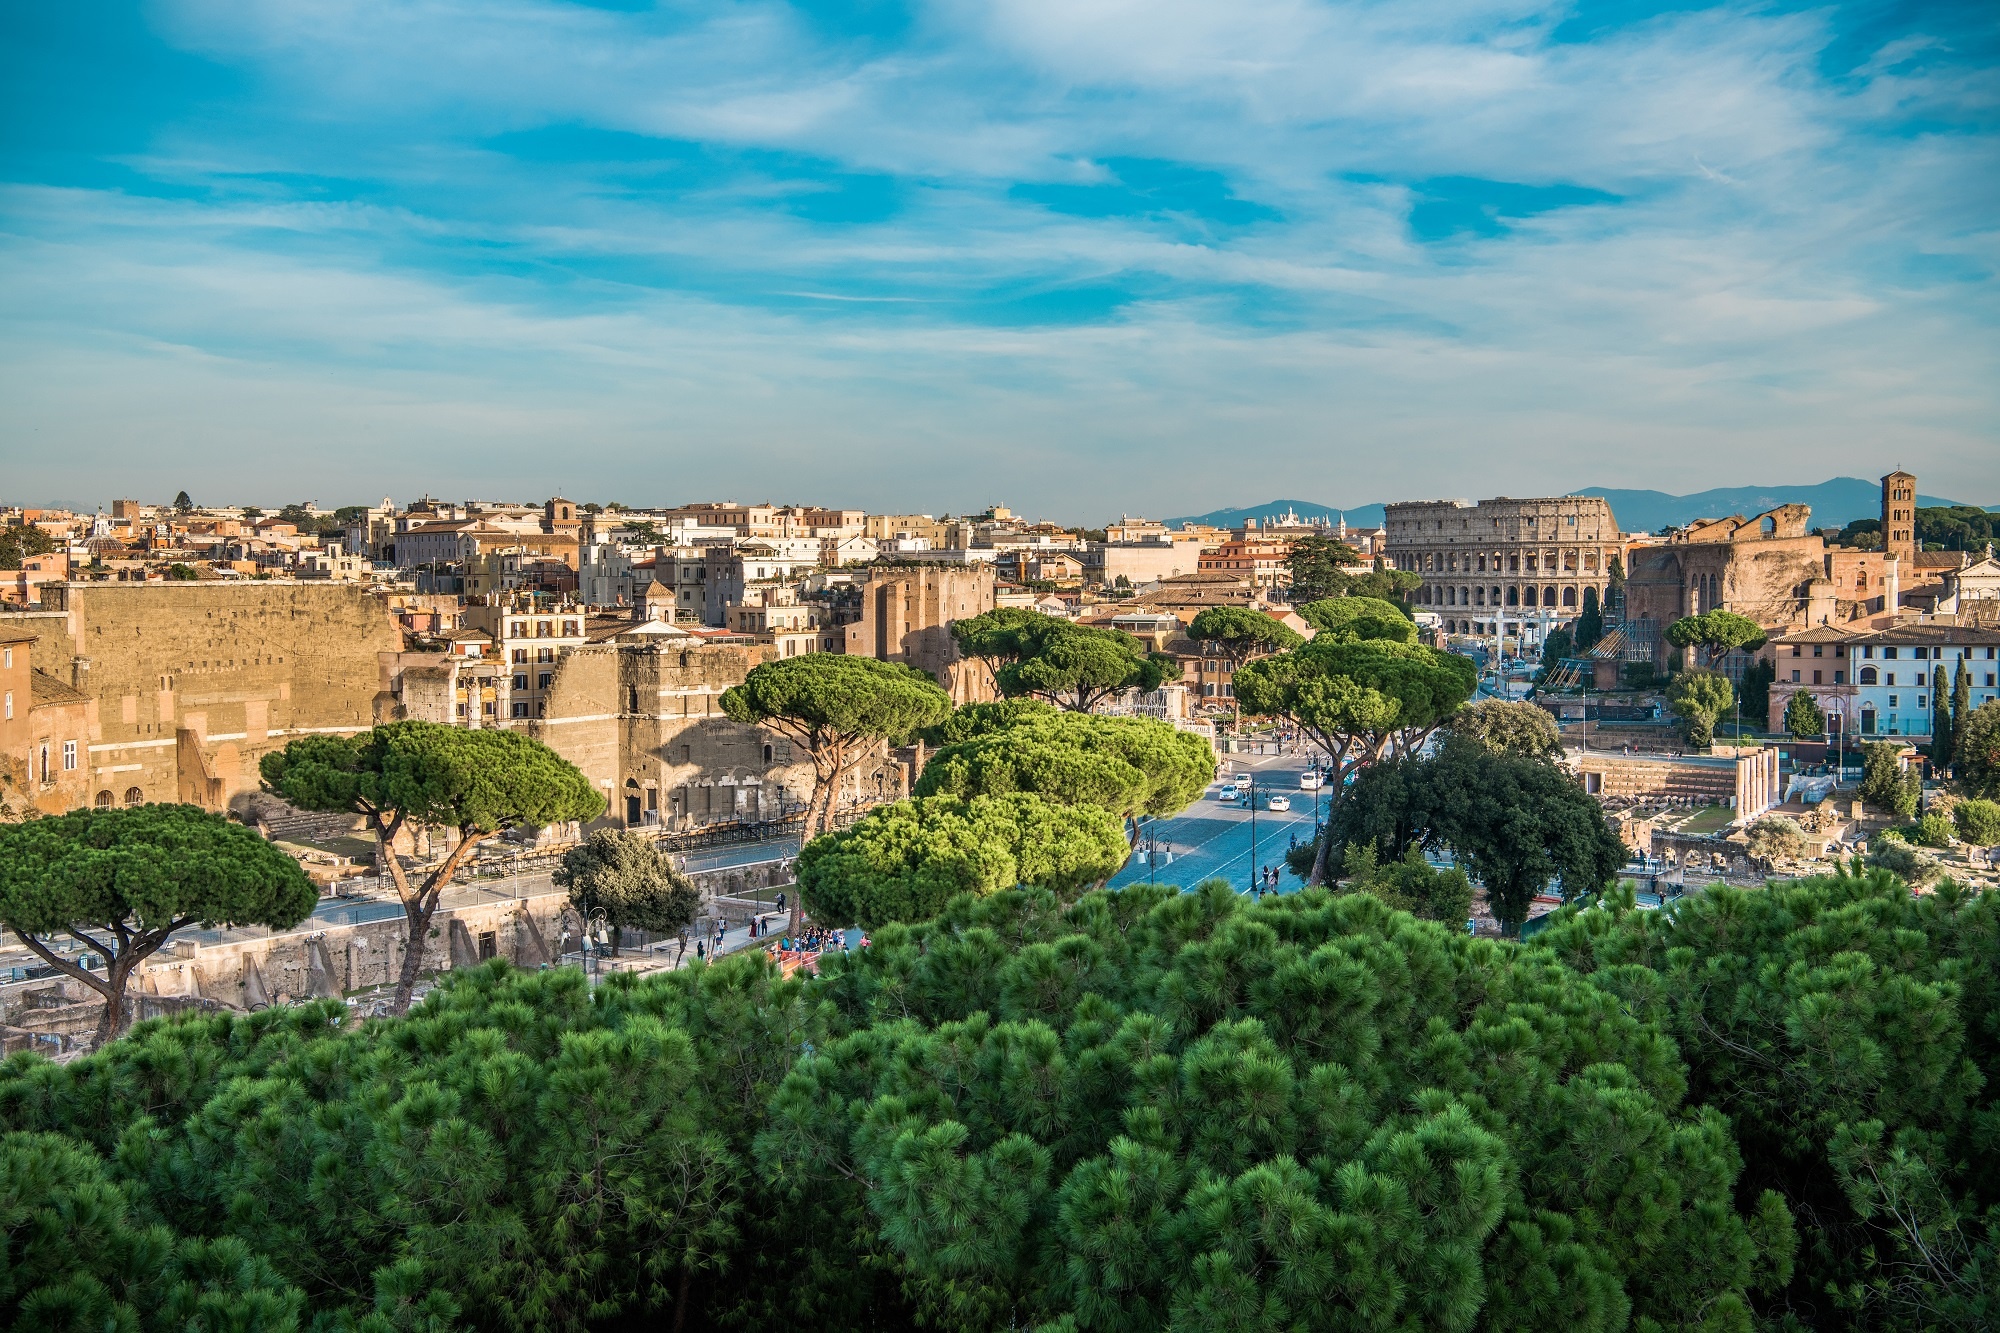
<point x="1834" y="503"/>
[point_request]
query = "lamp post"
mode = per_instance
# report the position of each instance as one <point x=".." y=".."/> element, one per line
<point x="1254" y="883"/>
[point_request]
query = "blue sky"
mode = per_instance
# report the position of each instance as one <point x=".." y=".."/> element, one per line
<point x="1078" y="256"/>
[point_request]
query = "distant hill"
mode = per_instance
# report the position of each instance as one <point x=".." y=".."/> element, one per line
<point x="1362" y="516"/>
<point x="1834" y="503"/>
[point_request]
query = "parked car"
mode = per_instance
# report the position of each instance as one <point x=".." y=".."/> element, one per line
<point x="1278" y="803"/>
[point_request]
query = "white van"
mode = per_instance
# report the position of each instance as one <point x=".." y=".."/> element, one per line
<point x="1311" y="780"/>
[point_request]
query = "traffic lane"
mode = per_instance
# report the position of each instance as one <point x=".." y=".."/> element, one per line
<point x="1214" y="839"/>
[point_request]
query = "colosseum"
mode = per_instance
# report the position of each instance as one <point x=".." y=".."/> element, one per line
<point x="1504" y="568"/>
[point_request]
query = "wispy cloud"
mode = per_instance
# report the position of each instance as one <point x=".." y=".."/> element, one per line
<point x="1093" y="254"/>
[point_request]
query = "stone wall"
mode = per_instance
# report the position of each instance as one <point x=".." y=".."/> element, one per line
<point x="193" y="682"/>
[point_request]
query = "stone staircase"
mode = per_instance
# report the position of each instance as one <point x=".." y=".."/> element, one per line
<point x="281" y="822"/>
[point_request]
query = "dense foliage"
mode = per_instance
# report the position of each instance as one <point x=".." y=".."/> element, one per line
<point x="838" y="709"/>
<point x="1519" y="824"/>
<point x="122" y="881"/>
<point x="1506" y="726"/>
<point x="1149" y="1110"/>
<point x="1128" y="766"/>
<point x="1714" y="633"/>
<point x="905" y="861"/>
<point x="631" y="880"/>
<point x="1359" y="700"/>
<point x="408" y="775"/>
<point x="1885" y="783"/>
<point x="1074" y="667"/>
<point x="1700" y="699"/>
<point x="1977" y="752"/>
<point x="1804" y="718"/>
<point x="1851" y="1032"/>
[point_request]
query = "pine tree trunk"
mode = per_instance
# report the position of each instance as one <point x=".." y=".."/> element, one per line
<point x="418" y="915"/>
<point x="116" y="1003"/>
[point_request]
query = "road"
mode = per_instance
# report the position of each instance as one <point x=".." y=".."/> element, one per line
<point x="1211" y="838"/>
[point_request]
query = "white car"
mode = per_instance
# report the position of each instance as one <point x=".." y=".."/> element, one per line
<point x="1243" y="781"/>
<point x="1278" y="803"/>
<point x="1226" y="794"/>
<point x="1311" y="780"/>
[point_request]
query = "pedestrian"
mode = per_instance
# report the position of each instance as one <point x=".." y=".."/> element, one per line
<point x="699" y="951"/>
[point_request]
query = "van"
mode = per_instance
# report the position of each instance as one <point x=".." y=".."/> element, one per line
<point x="1311" y="780"/>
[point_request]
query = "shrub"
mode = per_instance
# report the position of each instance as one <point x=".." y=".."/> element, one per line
<point x="1776" y="836"/>
<point x="1978" y="821"/>
<point x="1933" y="830"/>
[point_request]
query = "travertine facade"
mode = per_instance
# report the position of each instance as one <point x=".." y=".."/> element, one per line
<point x="189" y="684"/>
<point x="1504" y="567"/>
<point x="644" y="722"/>
<point x="906" y="616"/>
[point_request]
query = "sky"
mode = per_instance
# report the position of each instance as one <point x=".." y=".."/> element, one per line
<point x="1081" y="257"/>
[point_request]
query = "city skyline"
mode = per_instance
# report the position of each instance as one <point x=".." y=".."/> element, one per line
<point x="1078" y="258"/>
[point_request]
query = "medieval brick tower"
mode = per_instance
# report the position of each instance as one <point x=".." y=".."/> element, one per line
<point x="1899" y="520"/>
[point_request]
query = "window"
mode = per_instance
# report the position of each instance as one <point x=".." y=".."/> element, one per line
<point x="134" y="796"/>
<point x="7" y="658"/>
<point x="8" y="710"/>
<point x="69" y="756"/>
<point x="1817" y="651"/>
<point x="542" y="680"/>
<point x="488" y="709"/>
<point x="104" y="800"/>
<point x="1920" y="678"/>
<point x="1795" y="650"/>
<point x="769" y="753"/>
<point x="1816" y="678"/>
<point x="1889" y="678"/>
<point x="1889" y="652"/>
<point x="1795" y="678"/>
<point x="520" y="682"/>
<point x="520" y="708"/>
<point x="489" y="945"/>
<point x="1840" y="677"/>
<point x="520" y="654"/>
<point x="1893" y="700"/>
<point x="1922" y="702"/>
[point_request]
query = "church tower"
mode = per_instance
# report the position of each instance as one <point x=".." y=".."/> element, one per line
<point x="1899" y="521"/>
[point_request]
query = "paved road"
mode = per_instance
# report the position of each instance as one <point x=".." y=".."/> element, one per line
<point x="1211" y="839"/>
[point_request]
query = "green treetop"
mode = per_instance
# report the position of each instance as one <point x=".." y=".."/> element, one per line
<point x="1359" y="701"/>
<point x="1715" y="633"/>
<point x="1077" y="667"/>
<point x="1701" y="699"/>
<point x="1505" y="726"/>
<point x="121" y="882"/>
<point x="1360" y="618"/>
<point x="627" y="877"/>
<point x="837" y="709"/>
<point x="1804" y="718"/>
<point x="903" y="862"/>
<point x="422" y="774"/>
<point x="1127" y="766"/>
<point x="1978" y="751"/>
<point x="1238" y="634"/>
<point x="1320" y="567"/>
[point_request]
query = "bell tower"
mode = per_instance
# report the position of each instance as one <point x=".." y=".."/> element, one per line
<point x="1899" y="521"/>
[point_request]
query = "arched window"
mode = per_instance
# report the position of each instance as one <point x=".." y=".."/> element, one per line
<point x="1548" y="596"/>
<point x="1867" y="675"/>
<point x="1569" y="596"/>
<point x="1513" y="564"/>
<point x="134" y="796"/>
<point x="1513" y="594"/>
<point x="770" y="753"/>
<point x="104" y="800"/>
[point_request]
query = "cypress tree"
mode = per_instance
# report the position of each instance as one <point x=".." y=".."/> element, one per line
<point x="1961" y="707"/>
<point x="1941" y="728"/>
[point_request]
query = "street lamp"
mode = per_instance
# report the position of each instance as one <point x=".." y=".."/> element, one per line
<point x="1254" y="882"/>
